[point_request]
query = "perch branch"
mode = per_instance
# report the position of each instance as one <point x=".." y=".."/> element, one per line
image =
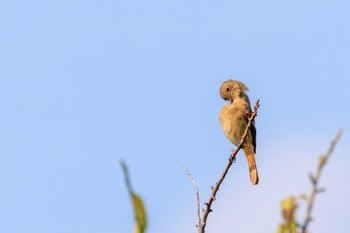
<point x="315" y="182"/>
<point x="207" y="210"/>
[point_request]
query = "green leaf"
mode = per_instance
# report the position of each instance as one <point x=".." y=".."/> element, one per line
<point x="139" y="207"/>
<point x="287" y="228"/>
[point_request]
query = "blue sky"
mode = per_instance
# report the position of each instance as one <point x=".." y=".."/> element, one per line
<point x="84" y="84"/>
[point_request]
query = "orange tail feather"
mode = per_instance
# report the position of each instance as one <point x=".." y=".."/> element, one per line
<point x="249" y="153"/>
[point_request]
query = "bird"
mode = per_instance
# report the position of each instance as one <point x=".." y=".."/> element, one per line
<point x="234" y="120"/>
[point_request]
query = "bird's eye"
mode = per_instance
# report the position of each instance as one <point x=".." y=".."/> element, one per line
<point x="227" y="89"/>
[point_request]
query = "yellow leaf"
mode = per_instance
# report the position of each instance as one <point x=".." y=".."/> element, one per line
<point x="323" y="160"/>
<point x="139" y="213"/>
<point x="288" y="203"/>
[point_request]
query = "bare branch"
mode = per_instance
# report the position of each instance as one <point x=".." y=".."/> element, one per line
<point x="315" y="182"/>
<point x="197" y="195"/>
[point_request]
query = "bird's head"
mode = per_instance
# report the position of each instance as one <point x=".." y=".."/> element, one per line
<point x="231" y="89"/>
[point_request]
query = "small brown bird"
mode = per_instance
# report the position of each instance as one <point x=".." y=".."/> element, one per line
<point x="234" y="120"/>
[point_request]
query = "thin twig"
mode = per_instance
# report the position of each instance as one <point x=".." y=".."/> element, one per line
<point x="202" y="225"/>
<point x="315" y="182"/>
<point x="197" y="195"/>
<point x="126" y="176"/>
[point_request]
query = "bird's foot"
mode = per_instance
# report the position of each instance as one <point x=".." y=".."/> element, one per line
<point x="248" y="112"/>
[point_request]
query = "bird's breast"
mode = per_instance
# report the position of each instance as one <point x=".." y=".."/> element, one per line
<point x="231" y="123"/>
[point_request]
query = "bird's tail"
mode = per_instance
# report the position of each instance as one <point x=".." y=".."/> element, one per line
<point x="249" y="153"/>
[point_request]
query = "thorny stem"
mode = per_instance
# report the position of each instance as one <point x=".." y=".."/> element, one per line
<point x="202" y="224"/>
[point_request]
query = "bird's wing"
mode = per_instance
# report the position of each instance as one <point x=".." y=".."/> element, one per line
<point x="252" y="127"/>
<point x="253" y="133"/>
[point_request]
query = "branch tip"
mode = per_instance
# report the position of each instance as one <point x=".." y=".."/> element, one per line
<point x="315" y="181"/>
<point x="197" y="195"/>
